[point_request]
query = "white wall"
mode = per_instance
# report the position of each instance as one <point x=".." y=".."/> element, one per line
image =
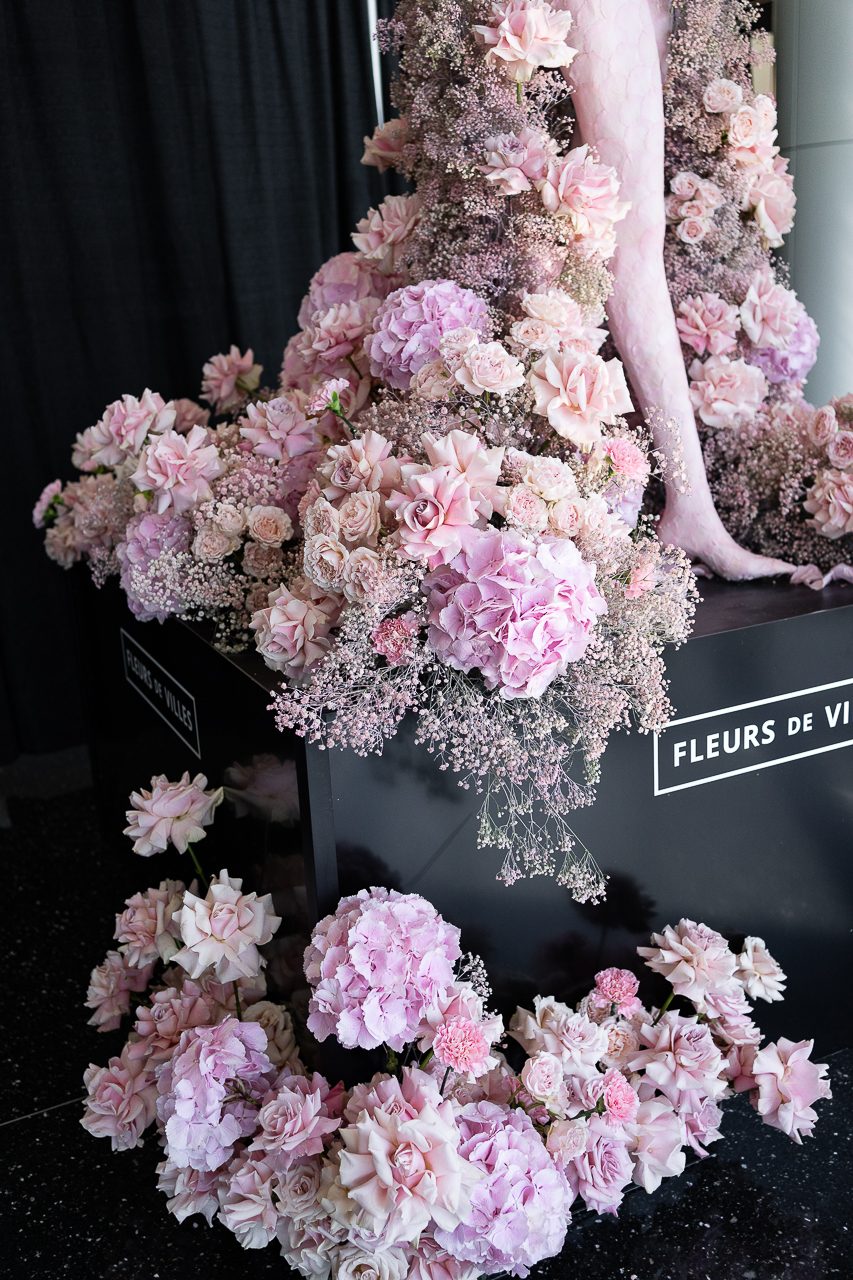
<point x="814" y="44"/>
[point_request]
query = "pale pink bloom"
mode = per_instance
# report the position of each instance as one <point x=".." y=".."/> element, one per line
<point x="526" y="34"/>
<point x="364" y="1261"/>
<point x="359" y="518"/>
<point x="177" y="470"/>
<point x="320" y="399"/>
<point x="430" y="1261"/>
<point x="693" y="230"/>
<point x="724" y="392"/>
<point x="525" y="509"/>
<point x="623" y="1041"/>
<point x="224" y="929"/>
<point x="160" y="1024"/>
<point x="722" y="96"/>
<point x="787" y="1084"/>
<point x="751" y="133"/>
<point x="700" y="1119"/>
<point x="321" y="518"/>
<point x="761" y="976"/>
<point x="296" y="1120"/>
<point x="684" y="184"/>
<point x="534" y="335"/>
<point x="455" y="344"/>
<point x="324" y="560"/>
<point x="261" y="562"/>
<point x="46" y="500"/>
<point x="600" y="1174"/>
<point x="551" y="478"/>
<point x="291" y="633"/>
<point x="411" y="328"/>
<point x="586" y="193"/>
<point x="489" y="368"/>
<point x="542" y="1077"/>
<point x="643" y="578"/>
<point x="173" y="813"/>
<point x="579" y="392"/>
<point x="840" y="450"/>
<point x="299" y="1190"/>
<point x="679" y="1056"/>
<point x="211" y="544"/>
<point x="282" y="1049"/>
<point x="122" y="430"/>
<point x="617" y="987"/>
<point x="515" y="161"/>
<point x="431" y="513"/>
<point x="269" y="525"/>
<point x="433" y="381"/>
<point x="829" y="502"/>
<point x="190" y="1190"/>
<point x="310" y="1246"/>
<point x="381" y="233"/>
<point x="693" y="958"/>
<point x="769" y="312"/>
<point x="146" y="929"/>
<point x="247" y="1204"/>
<point x="556" y="309"/>
<point x="121" y="1101"/>
<point x="110" y="985"/>
<point x="384" y="148"/>
<point x="347" y="277"/>
<point x="226" y="378"/>
<point x="772" y="200"/>
<point x="365" y="463"/>
<point x="566" y="1141"/>
<point x="554" y="1028"/>
<point x="460" y="1005"/>
<point x="656" y="1139"/>
<point x="395" y="639"/>
<point x="627" y="459"/>
<point x="730" y="1014"/>
<point x="708" y="324"/>
<point x="188" y="414"/>
<point x="279" y="429"/>
<point x="366" y="579"/>
<point x="465" y="455"/>
<point x="337" y="333"/>
<point x="229" y="518"/>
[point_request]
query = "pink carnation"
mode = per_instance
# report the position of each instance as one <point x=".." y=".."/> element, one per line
<point x="380" y="234"/>
<point x="617" y="987"/>
<point x="787" y="1084"/>
<point x="223" y="930"/>
<point x="829" y="502"/>
<point x="679" y="1056"/>
<point x="278" y="429"/>
<point x="578" y="393"/>
<point x="173" y="813"/>
<point x="627" y="459"/>
<point x="693" y="958"/>
<point x="122" y="430"/>
<point x="708" y="324"/>
<point x="526" y="34"/>
<point x="292" y="633"/>
<point x="515" y="161"/>
<point x="460" y="1044"/>
<point x="110" y="985"/>
<point x="619" y="1098"/>
<point x="46" y="501"/>
<point x="121" y="1101"/>
<point x="409" y="325"/>
<point x="395" y="639"/>
<point x="177" y="469"/>
<point x="226" y="378"/>
<point x="296" y="1119"/>
<point x="769" y="312"/>
<point x="586" y="193"/>
<point x="725" y="392"/>
<point x="160" y="1024"/>
<point x="146" y="929"/>
<point x="517" y="612"/>
<point x="600" y="1174"/>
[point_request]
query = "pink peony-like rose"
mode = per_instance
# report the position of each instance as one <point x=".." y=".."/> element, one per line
<point x="292" y="633"/>
<point x="578" y="393"/>
<point x="121" y="1101"/>
<point x="384" y="148"/>
<point x="269" y="525"/>
<point x="542" y="1078"/>
<point x="190" y="1191"/>
<point x="263" y="563"/>
<point x="365" y="463"/>
<point x="693" y="230"/>
<point x="551" y="478"/>
<point x="600" y="1174"/>
<point x="160" y="1024"/>
<point x="700" y="1119"/>
<point x="122" y="430"/>
<point x="656" y="1138"/>
<point x="465" y="455"/>
<point x="489" y="368"/>
<point x="760" y="975"/>
<point x="679" y="1056"/>
<point x="211" y="544"/>
<point x="380" y="234"/>
<point x="554" y="1028"/>
<point x="786" y="1086"/>
<point x="519" y="613"/>
<point x="520" y="1207"/>
<point x="324" y="560"/>
<point x="772" y="201"/>
<point x="722" y="96"/>
<point x="366" y="578"/>
<point x="188" y="414"/>
<point x="586" y="193"/>
<point x="693" y="958"/>
<point x="515" y="161"/>
<point x="359" y="518"/>
<point x="751" y="133"/>
<point x="829" y="502"/>
<point x="248" y="1206"/>
<point x="409" y="325"/>
<point x="524" y="35"/>
<point x="839" y="450"/>
<point x="395" y="639"/>
<point x="725" y="392"/>
<point x="279" y="429"/>
<point x="110" y="985"/>
<point x="296" y="1119"/>
<point x="227" y="378"/>
<point x="769" y="312"/>
<point x="432" y="513"/>
<point x="708" y="324"/>
<point x="146" y="929"/>
<point x="622" y="1041"/>
<point x="177" y="469"/>
<point x="337" y="333"/>
<point x="431" y="1262"/>
<point x="282" y="1049"/>
<point x="173" y="813"/>
<point x="224" y="929"/>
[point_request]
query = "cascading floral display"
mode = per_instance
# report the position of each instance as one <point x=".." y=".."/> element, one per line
<point x="437" y="511"/>
<point x="780" y="469"/>
<point x="466" y="1152"/>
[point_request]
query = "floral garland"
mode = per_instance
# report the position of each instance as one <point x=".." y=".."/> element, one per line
<point x="437" y="512"/>
<point x="781" y="470"/>
<point x="449" y="1161"/>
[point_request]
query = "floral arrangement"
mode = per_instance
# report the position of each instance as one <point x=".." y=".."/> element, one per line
<point x="781" y="470"/>
<point x="464" y="1152"/>
<point x="437" y="511"/>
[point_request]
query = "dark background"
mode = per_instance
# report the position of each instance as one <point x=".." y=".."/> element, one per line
<point x="173" y="172"/>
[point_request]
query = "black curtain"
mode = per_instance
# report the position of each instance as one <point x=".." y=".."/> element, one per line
<point x="173" y="171"/>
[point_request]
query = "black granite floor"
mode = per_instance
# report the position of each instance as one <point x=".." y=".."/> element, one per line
<point x="759" y="1209"/>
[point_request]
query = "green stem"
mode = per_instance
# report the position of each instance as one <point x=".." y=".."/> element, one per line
<point x="237" y="1004"/>
<point x="519" y="96"/>
<point x="344" y="418"/>
<point x="427" y="1058"/>
<point x="202" y="877"/>
<point x="662" y="1010"/>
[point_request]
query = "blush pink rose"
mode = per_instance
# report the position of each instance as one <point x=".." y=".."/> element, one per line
<point x="693" y="230"/>
<point x="188" y="414"/>
<point x="110" y="985"/>
<point x="526" y="34"/>
<point x="291" y="633"/>
<point x="173" y="813"/>
<point x="693" y="958"/>
<point x="760" y="975"/>
<point x="708" y="324"/>
<point x="465" y="455"/>
<point x="223" y="930"/>
<point x="722" y="96"/>
<point x="365" y="463"/>
<point x="829" y="502"/>
<point x="751" y="133"/>
<point x="121" y="1101"/>
<point x="278" y="429"/>
<point x="146" y="929"/>
<point x="514" y="161"/>
<point x="160" y="1024"/>
<point x="432" y="511"/>
<point x="554" y="1028"/>
<point x="337" y="333"/>
<point x="269" y="525"/>
<point x="586" y="193"/>
<point x="787" y="1084"/>
<point x="578" y="393"/>
<point x="839" y="450"/>
<point x="122" y="430"/>
<point x="656" y="1139"/>
<point x="724" y="392"/>
<point x="177" y="469"/>
<point x="227" y="378"/>
<point x="600" y="1174"/>
<point x="380" y="235"/>
<point x="772" y="200"/>
<point x="769" y="312"/>
<point x="679" y="1056"/>
<point x="821" y="426"/>
<point x="347" y="277"/>
<point x="296" y="1120"/>
<point x="489" y="368"/>
<point x="384" y="148"/>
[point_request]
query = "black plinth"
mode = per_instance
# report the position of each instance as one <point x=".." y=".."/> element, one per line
<point x="743" y="817"/>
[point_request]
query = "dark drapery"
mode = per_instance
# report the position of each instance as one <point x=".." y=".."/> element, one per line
<point x="173" y="171"/>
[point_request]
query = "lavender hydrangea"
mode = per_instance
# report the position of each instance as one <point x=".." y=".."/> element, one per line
<point x="410" y="323"/>
<point x="794" y="361"/>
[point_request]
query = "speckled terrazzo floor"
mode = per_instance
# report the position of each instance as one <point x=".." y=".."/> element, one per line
<point x="759" y="1209"/>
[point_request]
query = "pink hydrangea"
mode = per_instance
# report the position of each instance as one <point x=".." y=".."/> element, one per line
<point x="146" y="929"/>
<point x="769" y="312"/>
<point x="177" y="470"/>
<point x="122" y="430"/>
<point x="409" y="325"/>
<point x="787" y="1084"/>
<point x="829" y="502"/>
<point x="292" y="633"/>
<point x="152" y="544"/>
<point x="554" y="1027"/>
<point x="160" y="1024"/>
<point x="520" y="1208"/>
<point x="578" y="393"/>
<point x="223" y="930"/>
<point x="708" y="324"/>
<point x="120" y="1103"/>
<point x="794" y="361"/>
<point x="515" y="161"/>
<point x="760" y="975"/>
<point x="46" y="504"/>
<point x="347" y="277"/>
<point x="693" y="958"/>
<point x="210" y="1090"/>
<point x="600" y="1174"/>
<point x="110" y="985"/>
<point x="376" y="966"/>
<point x="524" y="35"/>
<point x="518" y="612"/>
<point x="384" y="148"/>
<point x="724" y="392"/>
<point x="679" y="1056"/>
<point x="173" y="813"/>
<point x="278" y="429"/>
<point x="190" y="1190"/>
<point x="226" y="378"/>
<point x="433" y="512"/>
<point x="381" y="232"/>
<point x="656" y="1139"/>
<point x="586" y="193"/>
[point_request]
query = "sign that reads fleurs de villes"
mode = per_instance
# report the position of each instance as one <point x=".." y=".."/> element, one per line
<point x="755" y="735"/>
<point x="166" y="695"/>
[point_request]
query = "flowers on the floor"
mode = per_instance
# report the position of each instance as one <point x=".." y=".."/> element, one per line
<point x="467" y="1149"/>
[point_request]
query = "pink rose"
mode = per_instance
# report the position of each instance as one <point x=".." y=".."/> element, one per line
<point x="679" y="1056"/>
<point x="840" y="450"/>
<point x="578" y="393"/>
<point x="260" y="561"/>
<point x="337" y="333"/>
<point x="693" y="230"/>
<point x="684" y="185"/>
<point x="226" y="378"/>
<point x="772" y="200"/>
<point x="146" y="929"/>
<point x="603" y="1170"/>
<point x="173" y="813"/>
<point x="160" y="1024"/>
<point x="656" y="1138"/>
<point x="708" y="324"/>
<point x="751" y="133"/>
<point x="551" y="478"/>
<point x="432" y="511"/>
<point x="381" y="233"/>
<point x="188" y="414"/>
<point x="760" y="975"/>
<point x="278" y="429"/>
<point x="787" y="1084"/>
<point x="324" y="560"/>
<point x="269" y="525"/>
<point x="347" y="277"/>
<point x="489" y="368"/>
<point x="291" y="633"/>
<point x="178" y="469"/>
<point x="693" y="958"/>
<point x="554" y="1028"/>
<point x="433" y="381"/>
<point x="296" y="1119"/>
<point x="822" y="426"/>
<point x="724" y="392"/>
<point x="211" y="544"/>
<point x="465" y="455"/>
<point x="384" y="148"/>
<point x="122" y="430"/>
<point x="121" y="1101"/>
<point x="524" y="35"/>
<point x="110" y="985"/>
<point x="365" y="463"/>
<point x="515" y="161"/>
<point x="366" y="579"/>
<point x="829" y="502"/>
<point x="321" y="517"/>
<point x="359" y="519"/>
<point x="542" y="1077"/>
<point x="722" y="96"/>
<point x="586" y="193"/>
<point x="224" y="929"/>
<point x="769" y="312"/>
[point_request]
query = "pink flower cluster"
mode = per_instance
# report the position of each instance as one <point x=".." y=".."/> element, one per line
<point x="691" y="205"/>
<point x="410" y="323"/>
